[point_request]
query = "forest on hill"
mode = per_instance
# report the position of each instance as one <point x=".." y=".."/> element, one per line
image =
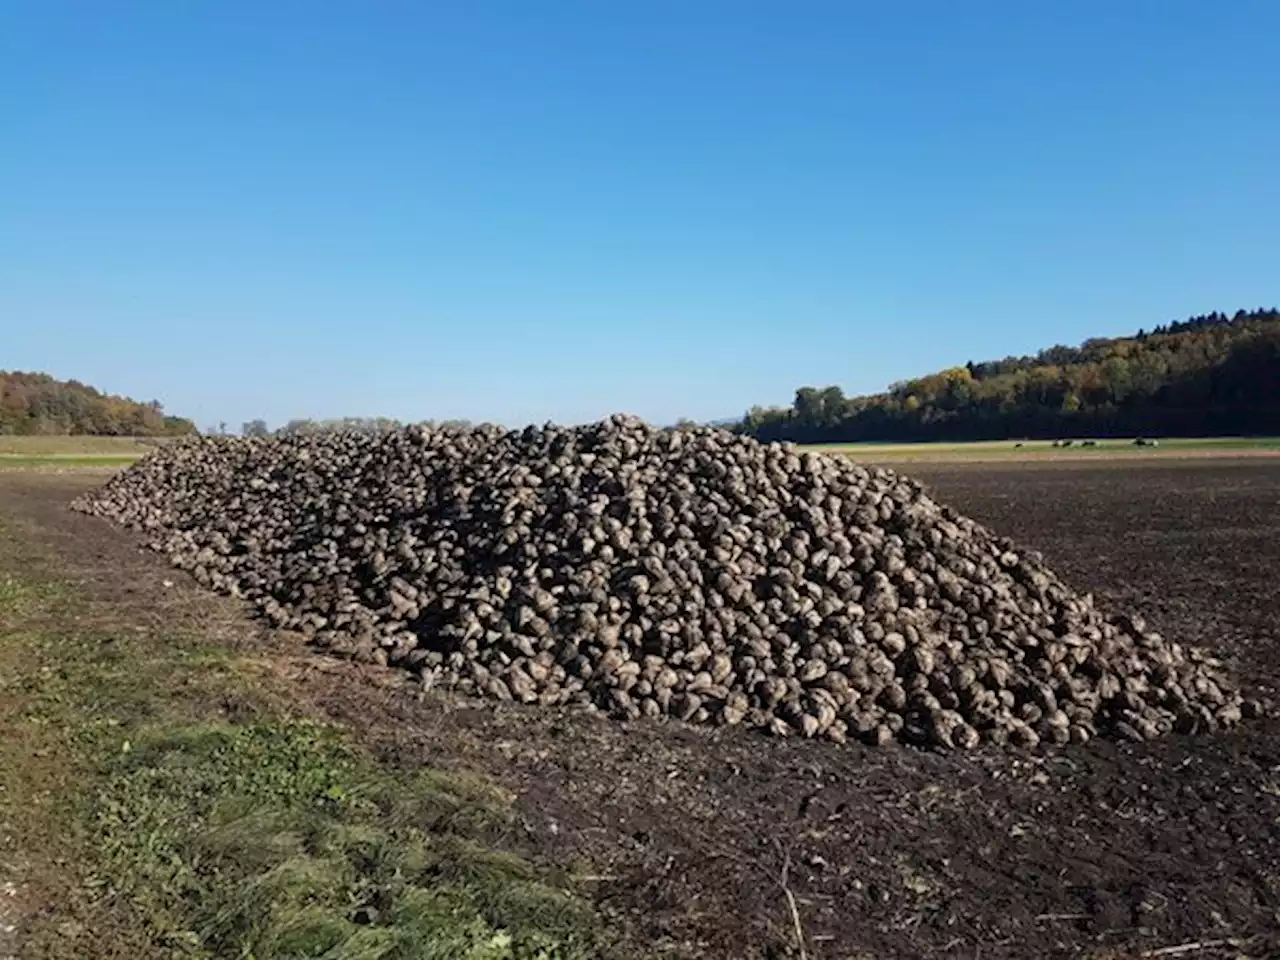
<point x="38" y="404"/>
<point x="1211" y="375"/>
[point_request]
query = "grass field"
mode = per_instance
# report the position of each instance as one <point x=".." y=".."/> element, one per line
<point x="12" y="461"/>
<point x="1043" y="449"/>
<point x="73" y="452"/>
<point x="22" y="446"/>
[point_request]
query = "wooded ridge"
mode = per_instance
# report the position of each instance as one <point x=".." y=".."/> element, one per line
<point x="1211" y="375"/>
<point x="37" y="404"/>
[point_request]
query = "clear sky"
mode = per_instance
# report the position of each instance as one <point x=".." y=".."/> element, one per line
<point x="541" y="209"/>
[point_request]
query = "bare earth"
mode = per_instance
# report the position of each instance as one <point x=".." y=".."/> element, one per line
<point x="701" y="840"/>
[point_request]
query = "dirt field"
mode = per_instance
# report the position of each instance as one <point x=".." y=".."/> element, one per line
<point x="726" y="844"/>
<point x="1010" y="451"/>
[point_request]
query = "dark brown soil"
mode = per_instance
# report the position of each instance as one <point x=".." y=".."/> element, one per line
<point x="700" y="840"/>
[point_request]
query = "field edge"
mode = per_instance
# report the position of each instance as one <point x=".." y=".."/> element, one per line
<point x="162" y="795"/>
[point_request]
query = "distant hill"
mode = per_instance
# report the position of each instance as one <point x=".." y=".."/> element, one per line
<point x="1210" y="375"/>
<point x="36" y="403"/>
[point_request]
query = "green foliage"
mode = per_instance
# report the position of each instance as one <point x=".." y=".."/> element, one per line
<point x="359" y="424"/>
<point x="1207" y="376"/>
<point x="37" y="404"/>
<point x="259" y="428"/>
<point x="17" y="595"/>
<point x="269" y="837"/>
<point x="279" y="841"/>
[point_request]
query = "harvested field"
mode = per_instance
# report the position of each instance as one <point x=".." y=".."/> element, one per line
<point x="700" y="838"/>
<point x="1013" y="451"/>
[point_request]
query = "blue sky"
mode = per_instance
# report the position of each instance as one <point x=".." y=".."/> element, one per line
<point x="522" y="211"/>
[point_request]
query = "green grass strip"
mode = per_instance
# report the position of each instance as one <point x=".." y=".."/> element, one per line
<point x="274" y="838"/>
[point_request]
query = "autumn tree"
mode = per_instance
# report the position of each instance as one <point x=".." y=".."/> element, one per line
<point x="36" y="403"/>
<point x="1206" y="375"/>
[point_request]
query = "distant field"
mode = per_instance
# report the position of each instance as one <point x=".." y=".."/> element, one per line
<point x="1044" y="449"/>
<point x="72" y="452"/>
<point x="76" y="446"/>
<point x="14" y="461"/>
<point x="114" y="452"/>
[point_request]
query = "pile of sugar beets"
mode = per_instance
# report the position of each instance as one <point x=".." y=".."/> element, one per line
<point x="648" y="572"/>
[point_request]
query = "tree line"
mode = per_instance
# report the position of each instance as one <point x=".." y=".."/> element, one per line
<point x="259" y="428"/>
<point x="37" y="404"/>
<point x="1210" y="375"/>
